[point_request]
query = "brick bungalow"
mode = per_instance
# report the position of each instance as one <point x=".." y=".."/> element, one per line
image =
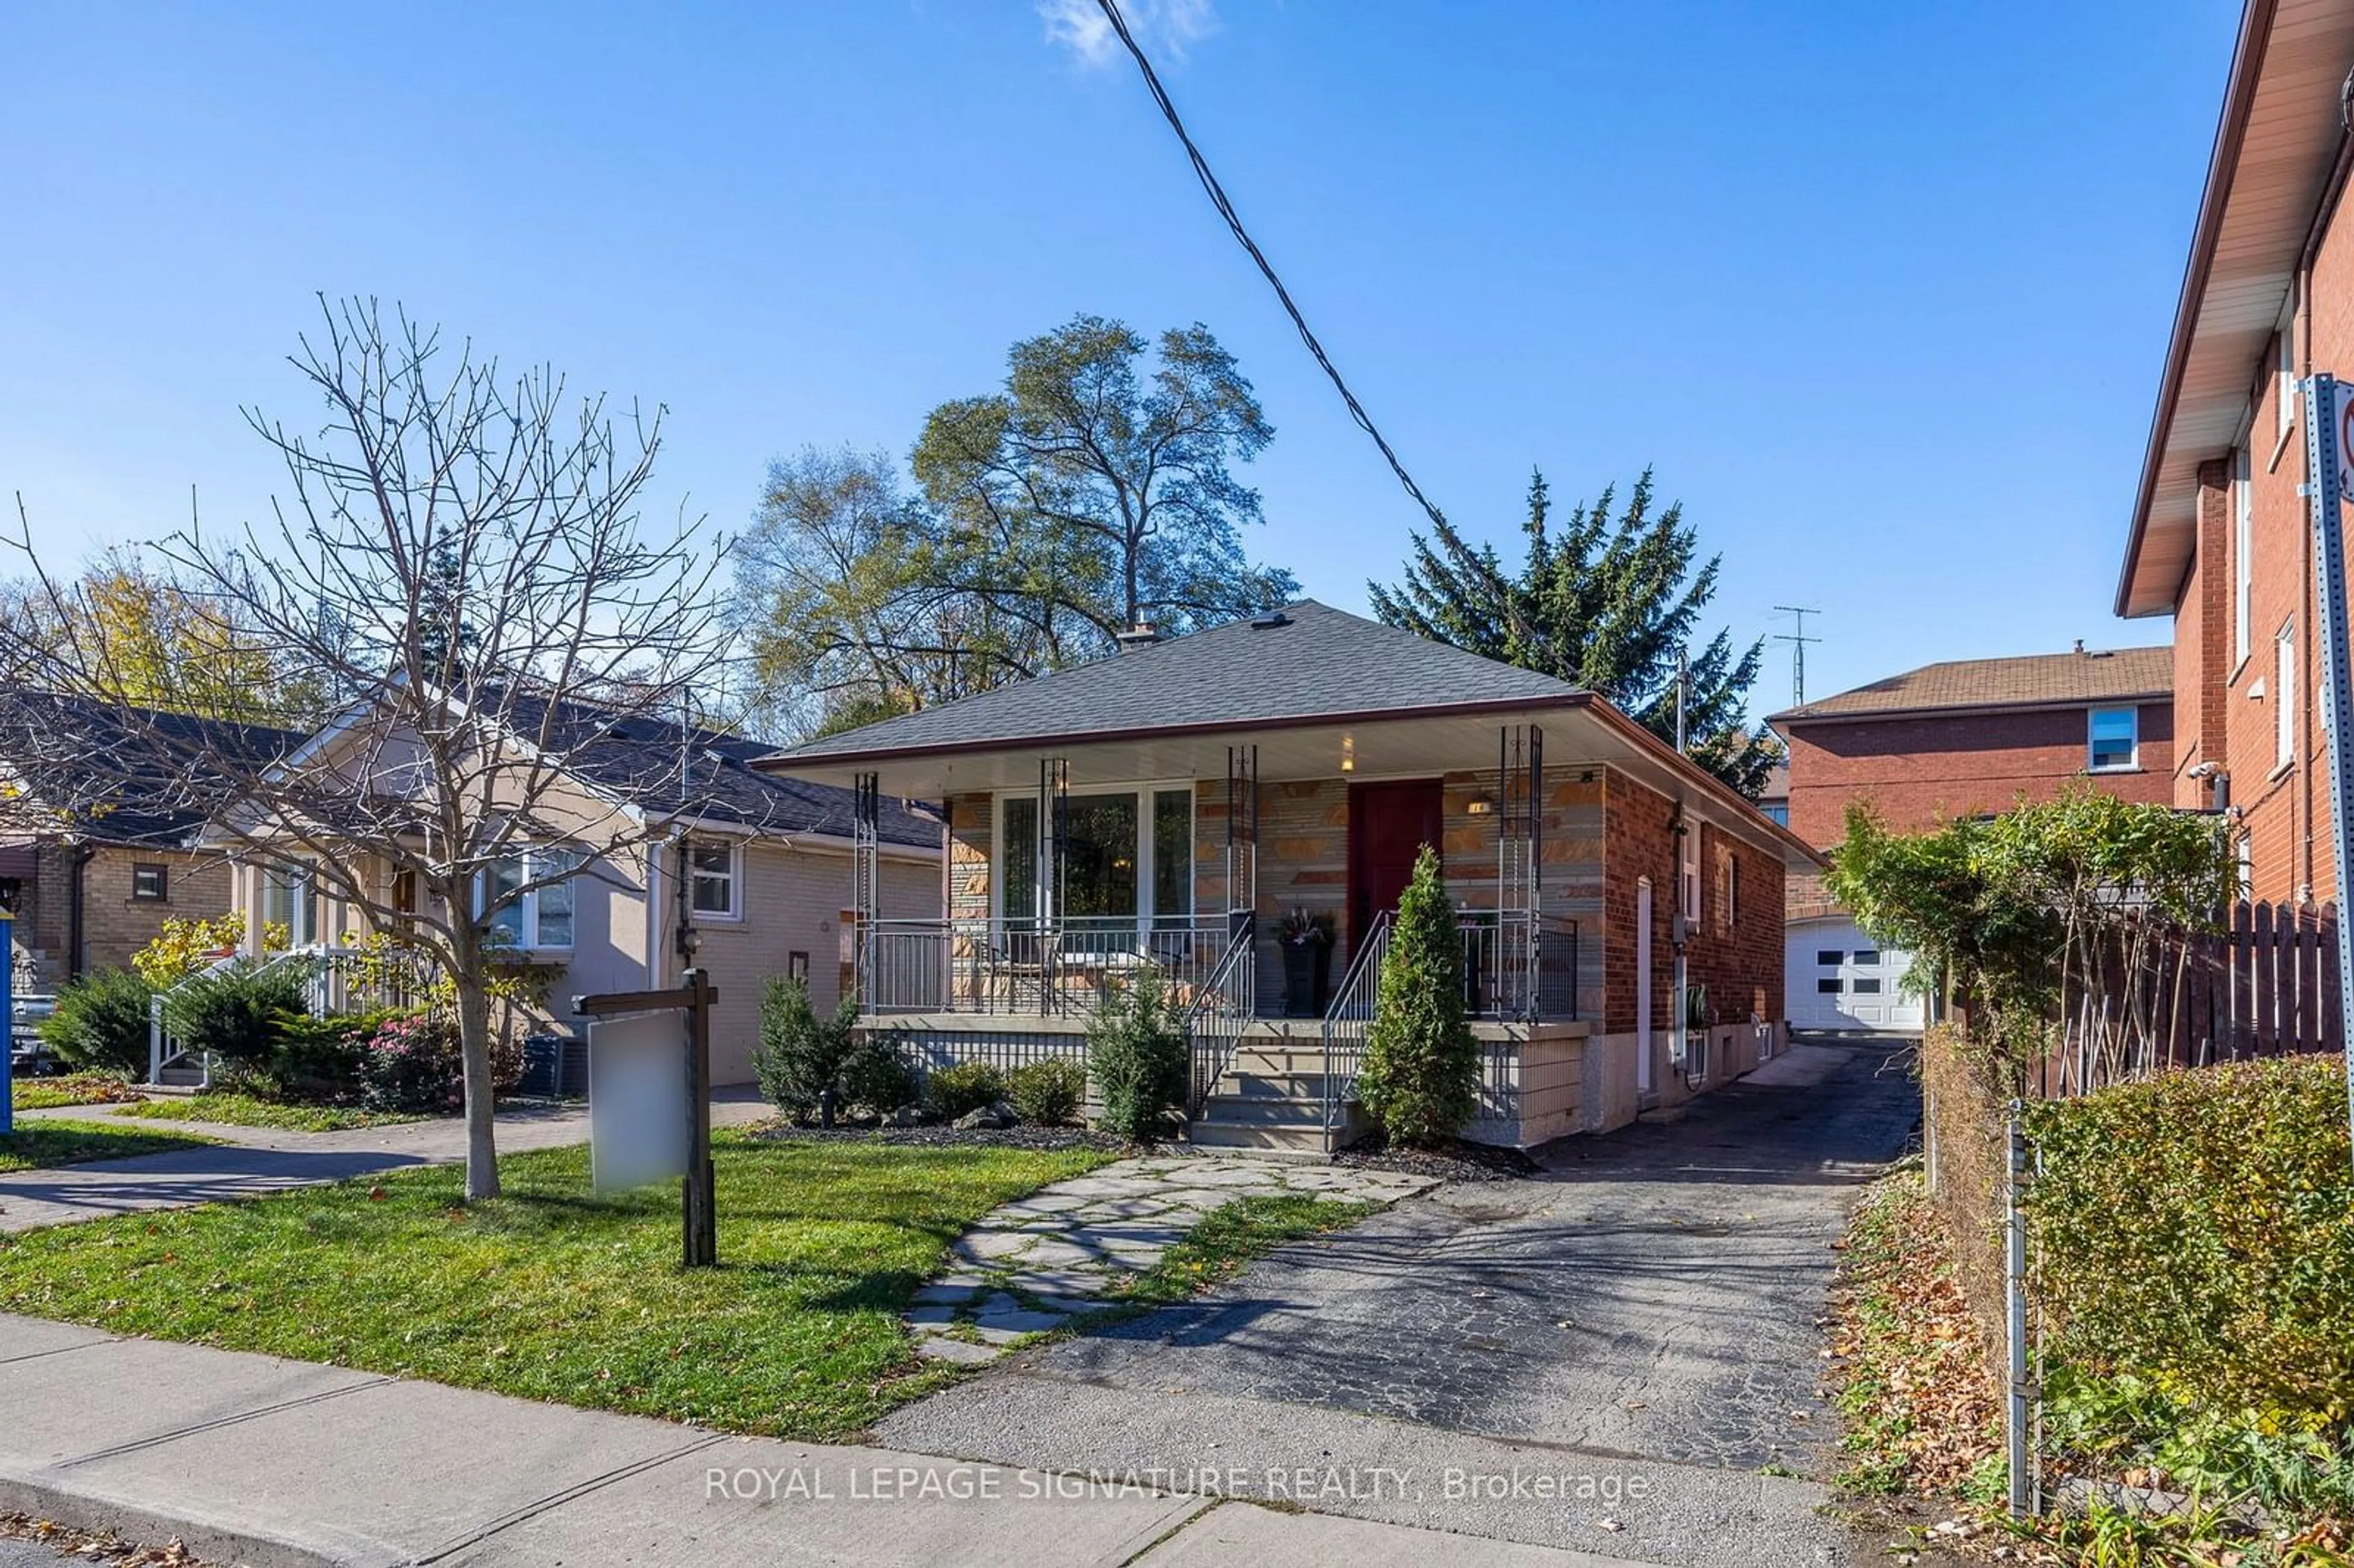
<point x="2221" y="536"/>
<point x="1967" y="738"/>
<point x="97" y="837"/>
<point x="1179" y="801"/>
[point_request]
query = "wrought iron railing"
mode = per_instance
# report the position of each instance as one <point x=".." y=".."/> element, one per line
<point x="1346" y="1024"/>
<point x="1216" y="1017"/>
<point x="1038" y="967"/>
<point x="1516" y="966"/>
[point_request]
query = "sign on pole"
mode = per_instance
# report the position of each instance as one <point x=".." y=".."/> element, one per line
<point x="655" y="1073"/>
<point x="2328" y="423"/>
<point x="637" y="1101"/>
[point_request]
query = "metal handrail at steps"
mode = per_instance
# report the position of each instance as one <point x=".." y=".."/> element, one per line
<point x="1221" y="1011"/>
<point x="1347" y="1021"/>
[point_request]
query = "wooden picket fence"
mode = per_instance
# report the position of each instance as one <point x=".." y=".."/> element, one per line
<point x="2264" y="985"/>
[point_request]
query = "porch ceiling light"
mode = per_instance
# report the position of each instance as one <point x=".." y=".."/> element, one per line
<point x="1348" y="753"/>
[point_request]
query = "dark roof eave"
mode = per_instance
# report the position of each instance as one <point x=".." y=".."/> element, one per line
<point x="1966" y="710"/>
<point x="788" y="761"/>
<point x="2231" y="130"/>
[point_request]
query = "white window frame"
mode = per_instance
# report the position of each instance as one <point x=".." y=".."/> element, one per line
<point x="1144" y="791"/>
<point x="2284" y="695"/>
<point x="301" y="888"/>
<point x="532" y="862"/>
<point x="734" y="913"/>
<point x="2244" y="541"/>
<point x="2092" y="764"/>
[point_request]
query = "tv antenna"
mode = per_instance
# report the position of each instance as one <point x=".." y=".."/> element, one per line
<point x="1798" y="641"/>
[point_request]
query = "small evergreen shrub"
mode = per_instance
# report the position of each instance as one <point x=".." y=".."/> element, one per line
<point x="1420" y="1079"/>
<point x="1047" y="1094"/>
<point x="101" y="1023"/>
<point x="2197" y="1231"/>
<point x="1139" y="1058"/>
<point x="800" y="1056"/>
<point x="321" y="1061"/>
<point x="874" y="1076"/>
<point x="950" y="1092"/>
<point x="237" y="1014"/>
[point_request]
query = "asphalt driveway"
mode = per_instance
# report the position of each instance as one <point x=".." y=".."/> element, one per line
<point x="1645" y="1311"/>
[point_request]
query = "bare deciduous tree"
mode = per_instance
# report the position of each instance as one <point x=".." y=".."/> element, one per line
<point x="461" y="562"/>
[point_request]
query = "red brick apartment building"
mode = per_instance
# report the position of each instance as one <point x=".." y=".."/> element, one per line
<point x="1964" y="738"/>
<point x="2220" y="537"/>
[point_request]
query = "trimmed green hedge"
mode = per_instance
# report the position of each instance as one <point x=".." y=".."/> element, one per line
<point x="2197" y="1230"/>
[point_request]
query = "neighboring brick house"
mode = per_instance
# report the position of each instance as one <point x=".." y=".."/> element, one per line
<point x="98" y="818"/>
<point x="2221" y="536"/>
<point x="1157" y="805"/>
<point x="1968" y="738"/>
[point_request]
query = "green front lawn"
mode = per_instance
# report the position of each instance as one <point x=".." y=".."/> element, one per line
<point x="556" y="1292"/>
<point x="40" y="1144"/>
<point x="243" y="1110"/>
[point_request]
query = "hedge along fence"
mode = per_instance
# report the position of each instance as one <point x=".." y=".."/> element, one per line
<point x="1968" y="1160"/>
<point x="2197" y="1230"/>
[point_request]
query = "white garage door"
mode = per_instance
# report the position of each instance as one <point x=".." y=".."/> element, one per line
<point x="1837" y="977"/>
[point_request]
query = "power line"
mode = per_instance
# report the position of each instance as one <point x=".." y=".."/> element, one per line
<point x="1227" y="210"/>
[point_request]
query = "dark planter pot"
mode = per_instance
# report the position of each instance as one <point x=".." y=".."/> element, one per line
<point x="1306" y="977"/>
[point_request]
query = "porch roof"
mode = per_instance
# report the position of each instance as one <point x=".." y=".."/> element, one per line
<point x="1322" y="686"/>
<point x="1307" y="664"/>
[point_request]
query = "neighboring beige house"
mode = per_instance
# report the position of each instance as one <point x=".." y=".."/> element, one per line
<point x="667" y="827"/>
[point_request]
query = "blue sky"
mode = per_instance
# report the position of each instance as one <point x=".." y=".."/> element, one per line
<point x="1881" y="291"/>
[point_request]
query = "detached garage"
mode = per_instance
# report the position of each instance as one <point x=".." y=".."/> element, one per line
<point x="1836" y="977"/>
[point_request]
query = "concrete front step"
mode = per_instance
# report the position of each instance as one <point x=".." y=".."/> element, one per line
<point x="1303" y="1140"/>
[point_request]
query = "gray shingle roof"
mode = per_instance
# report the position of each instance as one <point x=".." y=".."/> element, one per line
<point x="124" y="774"/>
<point x="1319" y="663"/>
<point x="2033" y="679"/>
<point x="638" y="760"/>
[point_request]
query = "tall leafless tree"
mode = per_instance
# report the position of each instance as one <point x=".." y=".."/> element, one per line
<point x="459" y="560"/>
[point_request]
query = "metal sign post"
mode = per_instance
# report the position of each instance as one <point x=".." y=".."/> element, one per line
<point x="8" y="1011"/>
<point x="2329" y="406"/>
<point x="698" y="1206"/>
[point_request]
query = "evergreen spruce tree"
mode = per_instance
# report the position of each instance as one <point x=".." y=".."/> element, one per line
<point x="1602" y="602"/>
<point x="1420" y="1080"/>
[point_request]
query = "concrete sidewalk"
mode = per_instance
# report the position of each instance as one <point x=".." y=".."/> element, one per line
<point x="251" y="1161"/>
<point x="271" y="1462"/>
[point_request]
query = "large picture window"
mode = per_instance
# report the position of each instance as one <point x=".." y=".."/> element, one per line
<point x="1127" y="858"/>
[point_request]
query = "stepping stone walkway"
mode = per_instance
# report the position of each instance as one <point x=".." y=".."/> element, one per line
<point x="1037" y="1262"/>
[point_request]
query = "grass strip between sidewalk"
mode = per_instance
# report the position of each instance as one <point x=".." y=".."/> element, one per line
<point x="554" y="1291"/>
<point x="47" y="1144"/>
<point x="244" y="1110"/>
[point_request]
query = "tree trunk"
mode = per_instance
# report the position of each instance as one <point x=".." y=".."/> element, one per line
<point x="474" y="1050"/>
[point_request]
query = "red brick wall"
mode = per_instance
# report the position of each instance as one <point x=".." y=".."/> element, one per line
<point x="1917" y="771"/>
<point x="1740" y="960"/>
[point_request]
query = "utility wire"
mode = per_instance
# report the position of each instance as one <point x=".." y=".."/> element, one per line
<point x="1227" y="210"/>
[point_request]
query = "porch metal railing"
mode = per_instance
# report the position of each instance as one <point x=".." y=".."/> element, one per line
<point x="1346" y="1022"/>
<point x="1218" y="1014"/>
<point x="1038" y="967"/>
<point x="1517" y="965"/>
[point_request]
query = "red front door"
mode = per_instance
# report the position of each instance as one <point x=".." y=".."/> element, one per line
<point x="1388" y="825"/>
